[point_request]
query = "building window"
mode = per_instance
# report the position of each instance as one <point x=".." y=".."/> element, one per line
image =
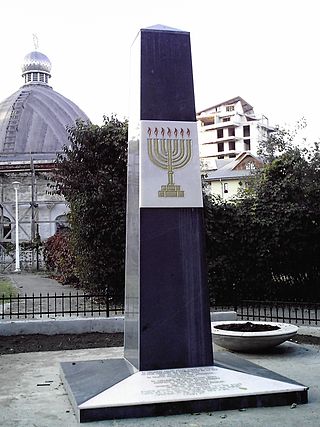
<point x="247" y="144"/>
<point x="35" y="77"/>
<point x="41" y="77"/>
<point x="29" y="77"/>
<point x="230" y="108"/>
<point x="231" y="132"/>
<point x="246" y="131"/>
<point x="208" y="121"/>
<point x="232" y="155"/>
<point x="6" y="228"/>
<point x="226" y="119"/>
<point x="220" y="133"/>
<point x="46" y="78"/>
<point x="250" y="166"/>
<point x="220" y="157"/>
<point x="232" y="145"/>
<point x="220" y="147"/>
<point x="225" y="188"/>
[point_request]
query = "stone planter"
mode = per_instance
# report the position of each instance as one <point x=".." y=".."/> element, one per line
<point x="251" y="341"/>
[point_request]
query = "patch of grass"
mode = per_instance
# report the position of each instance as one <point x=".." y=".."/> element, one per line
<point x="6" y="288"/>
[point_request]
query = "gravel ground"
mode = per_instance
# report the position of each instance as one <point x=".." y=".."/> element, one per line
<point x="32" y="343"/>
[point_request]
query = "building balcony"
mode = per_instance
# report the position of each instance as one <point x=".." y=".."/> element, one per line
<point x="231" y="123"/>
<point x="219" y="125"/>
<point x="224" y="139"/>
<point x="205" y="128"/>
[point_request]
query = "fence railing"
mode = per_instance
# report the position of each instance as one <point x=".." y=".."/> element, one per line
<point x="85" y="305"/>
<point x="286" y="312"/>
<point x="64" y="305"/>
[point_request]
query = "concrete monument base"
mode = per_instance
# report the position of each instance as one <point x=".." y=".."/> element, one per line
<point x="108" y="389"/>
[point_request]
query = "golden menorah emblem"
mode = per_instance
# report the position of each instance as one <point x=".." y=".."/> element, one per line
<point x="168" y="150"/>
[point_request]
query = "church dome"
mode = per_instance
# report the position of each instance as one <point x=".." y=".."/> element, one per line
<point x="34" y="119"/>
<point x="36" y="61"/>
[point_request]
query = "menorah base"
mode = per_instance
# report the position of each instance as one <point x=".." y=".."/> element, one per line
<point x="170" y="190"/>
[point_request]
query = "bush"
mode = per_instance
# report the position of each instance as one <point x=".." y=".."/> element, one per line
<point x="266" y="245"/>
<point x="91" y="174"/>
<point x="59" y="257"/>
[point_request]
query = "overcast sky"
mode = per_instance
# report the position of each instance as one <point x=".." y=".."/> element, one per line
<point x="267" y="52"/>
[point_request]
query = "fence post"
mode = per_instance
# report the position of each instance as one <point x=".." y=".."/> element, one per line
<point x="40" y="304"/>
<point x="108" y="308"/>
<point x="48" y="305"/>
<point x="62" y="304"/>
<point x="18" y="306"/>
<point x="55" y="304"/>
<point x="77" y="304"/>
<point x="25" y="306"/>
<point x="10" y="306"/>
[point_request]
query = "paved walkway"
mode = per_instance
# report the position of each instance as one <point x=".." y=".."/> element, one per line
<point x="62" y="301"/>
<point x="29" y="283"/>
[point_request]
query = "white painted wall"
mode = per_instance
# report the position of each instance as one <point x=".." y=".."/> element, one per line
<point x="217" y="188"/>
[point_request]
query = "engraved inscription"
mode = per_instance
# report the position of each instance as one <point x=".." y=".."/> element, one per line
<point x="194" y="382"/>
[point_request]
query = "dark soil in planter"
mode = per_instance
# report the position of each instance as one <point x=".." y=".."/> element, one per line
<point x="247" y="327"/>
<point x="30" y="343"/>
<point x="33" y="343"/>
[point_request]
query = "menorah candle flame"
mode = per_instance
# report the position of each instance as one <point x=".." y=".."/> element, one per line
<point x="170" y="151"/>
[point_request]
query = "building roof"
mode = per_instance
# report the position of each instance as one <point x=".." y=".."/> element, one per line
<point x="235" y="168"/>
<point x="36" y="61"/>
<point x="246" y="107"/>
<point x="34" y="119"/>
<point x="228" y="174"/>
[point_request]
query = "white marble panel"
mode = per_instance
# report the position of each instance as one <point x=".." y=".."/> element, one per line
<point x="173" y="385"/>
<point x="163" y="143"/>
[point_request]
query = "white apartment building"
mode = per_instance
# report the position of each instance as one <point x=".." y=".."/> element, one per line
<point x="228" y="129"/>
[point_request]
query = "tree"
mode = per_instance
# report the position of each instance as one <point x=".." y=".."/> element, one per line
<point x="91" y="174"/>
<point x="287" y="202"/>
<point x="266" y="245"/>
<point x="280" y="141"/>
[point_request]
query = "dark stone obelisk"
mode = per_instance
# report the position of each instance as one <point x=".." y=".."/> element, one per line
<point x="167" y="320"/>
<point x="167" y="323"/>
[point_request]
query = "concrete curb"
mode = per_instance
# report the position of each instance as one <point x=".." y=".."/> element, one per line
<point x="313" y="331"/>
<point x="220" y="316"/>
<point x="82" y="325"/>
<point x="79" y="325"/>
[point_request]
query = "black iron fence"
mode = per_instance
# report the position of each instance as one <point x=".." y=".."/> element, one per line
<point x="52" y="306"/>
<point x="85" y="305"/>
<point x="288" y="312"/>
<point x="301" y="313"/>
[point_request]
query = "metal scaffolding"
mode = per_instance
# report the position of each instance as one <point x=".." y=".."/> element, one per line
<point x="35" y="206"/>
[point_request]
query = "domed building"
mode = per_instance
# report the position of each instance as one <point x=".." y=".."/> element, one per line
<point x="33" y="129"/>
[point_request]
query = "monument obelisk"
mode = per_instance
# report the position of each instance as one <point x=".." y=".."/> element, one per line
<point x="167" y="322"/>
<point x="167" y="366"/>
